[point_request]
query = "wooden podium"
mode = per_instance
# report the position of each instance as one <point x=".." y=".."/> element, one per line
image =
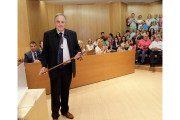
<point x="93" y="68"/>
<point x="33" y="105"/>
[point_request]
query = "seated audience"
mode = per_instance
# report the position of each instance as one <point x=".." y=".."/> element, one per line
<point x="143" y="32"/>
<point x="156" y="47"/>
<point x="127" y="34"/>
<point x="115" y="44"/>
<point x="132" y="45"/>
<point x="95" y="43"/>
<point x="107" y="42"/>
<point x="41" y="46"/>
<point x="102" y="36"/>
<point x="160" y="20"/>
<point x="132" y="22"/>
<point x="148" y="34"/>
<point x="118" y="36"/>
<point x="154" y="26"/>
<point x="155" y="19"/>
<point x="139" y="21"/>
<point x="124" y="44"/>
<point x="89" y="46"/>
<point x="144" y="26"/>
<point x="152" y="35"/>
<point x="143" y="49"/>
<point x="100" y="49"/>
<point x="33" y="56"/>
<point x="81" y="47"/>
<point x="138" y="36"/>
<point x="132" y="34"/>
<point x="148" y="21"/>
<point x="161" y="33"/>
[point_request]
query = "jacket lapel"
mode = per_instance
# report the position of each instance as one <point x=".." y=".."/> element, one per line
<point x="56" y="40"/>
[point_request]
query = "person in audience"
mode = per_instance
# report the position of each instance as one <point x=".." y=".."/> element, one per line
<point x="143" y="49"/>
<point x="160" y="20"/>
<point x="148" y="34"/>
<point x="115" y="44"/>
<point x="156" y="47"/>
<point x="33" y="56"/>
<point x="124" y="44"/>
<point x="127" y="34"/>
<point x="154" y="26"/>
<point x="152" y="34"/>
<point x="111" y="36"/>
<point x="102" y="36"/>
<point x="161" y="33"/>
<point x="95" y="43"/>
<point x="139" y="21"/>
<point x="144" y="26"/>
<point x="100" y="49"/>
<point x="89" y="46"/>
<point x="118" y="36"/>
<point x="143" y="32"/>
<point x="132" y="45"/>
<point x="132" y="22"/>
<point x="138" y="36"/>
<point x="107" y="42"/>
<point x="155" y="19"/>
<point x="81" y="47"/>
<point x="148" y="21"/>
<point x="132" y="34"/>
<point x="41" y="46"/>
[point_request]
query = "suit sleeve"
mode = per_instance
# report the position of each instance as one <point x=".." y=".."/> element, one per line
<point x="26" y="58"/>
<point x="77" y="48"/>
<point x="45" y="53"/>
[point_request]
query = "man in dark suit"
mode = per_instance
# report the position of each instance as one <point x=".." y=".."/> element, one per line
<point x="33" y="56"/>
<point x="59" y="45"/>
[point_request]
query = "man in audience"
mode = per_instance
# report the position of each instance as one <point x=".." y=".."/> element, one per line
<point x="160" y="20"/>
<point x="156" y="47"/>
<point x="155" y="19"/>
<point x="102" y="36"/>
<point x="133" y="22"/>
<point x="132" y="34"/>
<point x="144" y="26"/>
<point x="127" y="34"/>
<point x="33" y="56"/>
<point x="143" y="49"/>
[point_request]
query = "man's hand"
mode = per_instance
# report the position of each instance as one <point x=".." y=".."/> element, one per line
<point x="43" y="70"/>
<point x="36" y="61"/>
<point x="155" y="49"/>
<point x="77" y="55"/>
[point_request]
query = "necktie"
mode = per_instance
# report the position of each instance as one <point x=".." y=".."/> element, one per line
<point x="60" y="51"/>
<point x="35" y="56"/>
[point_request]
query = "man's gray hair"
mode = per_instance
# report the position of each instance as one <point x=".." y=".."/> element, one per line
<point x="156" y="14"/>
<point x="158" y="36"/>
<point x="60" y="15"/>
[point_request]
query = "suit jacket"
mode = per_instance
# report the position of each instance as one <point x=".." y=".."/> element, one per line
<point x="50" y="50"/>
<point x="29" y="57"/>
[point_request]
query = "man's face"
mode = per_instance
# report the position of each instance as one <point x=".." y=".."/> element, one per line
<point x="60" y="23"/>
<point x="131" y="30"/>
<point x="157" y="38"/>
<point x="155" y="16"/>
<point x="143" y="22"/>
<point x="102" y="34"/>
<point x="132" y="15"/>
<point x="128" y="33"/>
<point x="33" y="47"/>
<point x="145" y="37"/>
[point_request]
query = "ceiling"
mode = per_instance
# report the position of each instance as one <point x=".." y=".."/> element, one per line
<point x="71" y="2"/>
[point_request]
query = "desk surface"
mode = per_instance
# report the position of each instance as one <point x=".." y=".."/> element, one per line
<point x="91" y="69"/>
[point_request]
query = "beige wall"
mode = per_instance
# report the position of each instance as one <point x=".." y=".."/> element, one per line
<point x="87" y="20"/>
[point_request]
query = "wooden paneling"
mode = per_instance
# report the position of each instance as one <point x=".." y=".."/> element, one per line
<point x="53" y="9"/>
<point x="23" y="29"/>
<point x="87" y="20"/>
<point x="155" y="7"/>
<point x="38" y="20"/>
<point x="91" y="69"/>
<point x="123" y="18"/>
<point x="115" y="17"/>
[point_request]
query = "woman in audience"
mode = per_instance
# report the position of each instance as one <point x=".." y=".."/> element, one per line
<point x="41" y="46"/>
<point x="154" y="26"/>
<point x="107" y="42"/>
<point x="95" y="43"/>
<point x="148" y="21"/>
<point x="100" y="49"/>
<point x="139" y="21"/>
<point x="161" y="33"/>
<point x="118" y="36"/>
<point x="89" y="46"/>
<point x="124" y="44"/>
<point x="152" y="35"/>
<point x="81" y="47"/>
<point x="160" y="20"/>
<point x="115" y="44"/>
<point x="147" y="34"/>
<point x="143" y="32"/>
<point x="132" y="45"/>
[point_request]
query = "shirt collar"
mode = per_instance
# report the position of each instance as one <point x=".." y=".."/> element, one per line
<point x="61" y="32"/>
<point x="33" y="52"/>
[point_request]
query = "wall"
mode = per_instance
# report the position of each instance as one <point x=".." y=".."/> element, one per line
<point x="23" y="29"/>
<point x="123" y="18"/>
<point x="87" y="20"/>
<point x="155" y="7"/>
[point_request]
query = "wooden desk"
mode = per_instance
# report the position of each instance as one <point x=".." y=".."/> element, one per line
<point x="91" y="69"/>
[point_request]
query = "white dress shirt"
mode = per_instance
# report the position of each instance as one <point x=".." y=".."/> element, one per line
<point x="98" y="50"/>
<point x="156" y="44"/>
<point x="66" y="55"/>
